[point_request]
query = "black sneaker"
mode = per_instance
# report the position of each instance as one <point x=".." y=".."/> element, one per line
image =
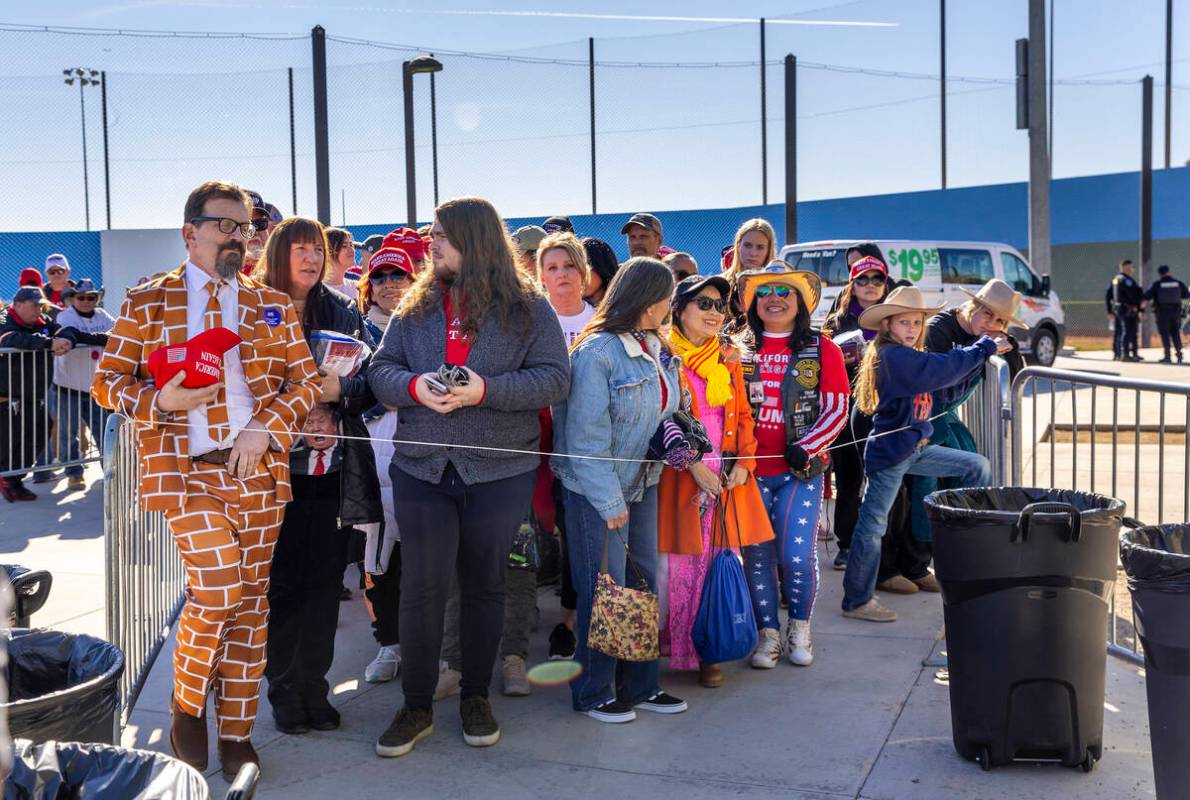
<point x="562" y="643"/>
<point x="841" y="560"/>
<point x="662" y="703"/>
<point x="613" y="711"/>
<point x="291" y="719"/>
<point x="410" y="726"/>
<point x="321" y="715"/>
<point x="480" y="728"/>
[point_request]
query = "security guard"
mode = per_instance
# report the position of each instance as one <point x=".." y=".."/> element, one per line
<point x="1126" y="301"/>
<point x="1167" y="294"/>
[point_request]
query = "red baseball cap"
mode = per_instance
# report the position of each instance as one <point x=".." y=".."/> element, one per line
<point x="30" y="276"/>
<point x="408" y="240"/>
<point x="390" y="257"/>
<point x="868" y="264"/>
<point x="201" y="357"/>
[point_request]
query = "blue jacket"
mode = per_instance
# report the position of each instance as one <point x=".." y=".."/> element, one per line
<point x="908" y="382"/>
<point x="614" y="408"/>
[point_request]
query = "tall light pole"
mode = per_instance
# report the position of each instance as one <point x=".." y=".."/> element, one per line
<point x="416" y="66"/>
<point x="84" y="78"/>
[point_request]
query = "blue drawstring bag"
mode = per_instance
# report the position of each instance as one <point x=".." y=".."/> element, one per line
<point x="725" y="627"/>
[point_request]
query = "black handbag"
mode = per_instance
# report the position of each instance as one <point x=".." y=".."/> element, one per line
<point x="693" y="430"/>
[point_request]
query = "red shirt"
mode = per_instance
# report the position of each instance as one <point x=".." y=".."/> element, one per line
<point x="458" y="344"/>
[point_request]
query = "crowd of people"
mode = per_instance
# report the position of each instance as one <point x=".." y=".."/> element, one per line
<point x="523" y="409"/>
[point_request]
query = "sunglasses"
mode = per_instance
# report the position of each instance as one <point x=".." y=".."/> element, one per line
<point x="776" y="290"/>
<point x="710" y="304"/>
<point x="55" y="271"/>
<point x="869" y="280"/>
<point x="381" y="278"/>
<point x="228" y="226"/>
<point x="86" y="297"/>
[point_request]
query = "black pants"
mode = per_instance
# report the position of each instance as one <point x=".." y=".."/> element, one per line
<point x="569" y="596"/>
<point x="24" y="431"/>
<point x="848" y="464"/>
<point x="1169" y="326"/>
<point x="385" y="596"/>
<point x="305" y="580"/>
<point x="446" y="526"/>
<point x="1126" y="333"/>
<point x="900" y="552"/>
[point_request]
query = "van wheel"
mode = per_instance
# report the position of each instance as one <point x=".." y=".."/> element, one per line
<point x="1045" y="347"/>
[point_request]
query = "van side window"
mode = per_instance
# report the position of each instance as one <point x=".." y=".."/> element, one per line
<point x="966" y="266"/>
<point x="829" y="264"/>
<point x="1019" y="276"/>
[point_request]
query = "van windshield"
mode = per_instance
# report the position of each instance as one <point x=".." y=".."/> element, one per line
<point x="830" y="264"/>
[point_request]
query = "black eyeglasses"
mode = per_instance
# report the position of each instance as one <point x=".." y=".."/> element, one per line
<point x="874" y="280"/>
<point x="709" y="304"/>
<point x="228" y="225"/>
<point x="378" y="278"/>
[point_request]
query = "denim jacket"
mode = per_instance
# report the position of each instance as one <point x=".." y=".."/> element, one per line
<point x="614" y="408"/>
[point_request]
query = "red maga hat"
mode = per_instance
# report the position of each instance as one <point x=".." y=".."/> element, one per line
<point x="394" y="258"/>
<point x="868" y="264"/>
<point x="201" y="357"/>
<point x="408" y="240"/>
<point x="30" y="277"/>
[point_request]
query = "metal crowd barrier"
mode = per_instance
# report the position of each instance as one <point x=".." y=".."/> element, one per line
<point x="1123" y="437"/>
<point x="142" y="571"/>
<point x="43" y="426"/>
<point x="985" y="414"/>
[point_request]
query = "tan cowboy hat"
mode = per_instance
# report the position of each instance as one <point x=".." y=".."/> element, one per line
<point x="807" y="284"/>
<point x="999" y="298"/>
<point x="901" y="300"/>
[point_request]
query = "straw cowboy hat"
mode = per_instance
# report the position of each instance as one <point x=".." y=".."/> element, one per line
<point x="999" y="298"/>
<point x="807" y="284"/>
<point x="902" y="300"/>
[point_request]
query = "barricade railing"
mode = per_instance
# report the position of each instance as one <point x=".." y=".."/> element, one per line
<point x="144" y="577"/>
<point x="1123" y="437"/>
<point x="985" y="414"/>
<point x="43" y="425"/>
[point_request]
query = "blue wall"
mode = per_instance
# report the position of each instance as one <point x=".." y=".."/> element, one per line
<point x="1099" y="208"/>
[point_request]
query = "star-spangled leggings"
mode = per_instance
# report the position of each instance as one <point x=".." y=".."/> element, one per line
<point x="793" y="507"/>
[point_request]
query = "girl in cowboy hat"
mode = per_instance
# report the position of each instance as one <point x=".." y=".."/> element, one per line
<point x="897" y="385"/>
<point x="797" y="387"/>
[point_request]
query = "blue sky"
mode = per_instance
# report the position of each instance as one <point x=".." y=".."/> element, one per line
<point x="184" y="109"/>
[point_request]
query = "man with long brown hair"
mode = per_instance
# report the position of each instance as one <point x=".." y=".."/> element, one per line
<point x="214" y="459"/>
<point x="458" y="507"/>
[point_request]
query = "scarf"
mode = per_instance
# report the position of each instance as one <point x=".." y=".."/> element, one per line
<point x="378" y="317"/>
<point x="706" y="364"/>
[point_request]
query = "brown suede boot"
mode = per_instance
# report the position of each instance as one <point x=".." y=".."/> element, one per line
<point x="188" y="737"/>
<point x="710" y="676"/>
<point x="234" y="755"/>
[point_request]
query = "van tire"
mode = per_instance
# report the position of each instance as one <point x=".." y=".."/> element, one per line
<point x="1045" y="347"/>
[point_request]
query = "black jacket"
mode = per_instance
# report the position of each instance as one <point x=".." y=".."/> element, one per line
<point x="944" y="333"/>
<point x="360" y="487"/>
<point x="1125" y="294"/>
<point x="28" y="374"/>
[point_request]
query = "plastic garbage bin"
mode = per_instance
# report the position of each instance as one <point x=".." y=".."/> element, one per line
<point x="1026" y="575"/>
<point x="1157" y="562"/>
<point x="62" y="686"/>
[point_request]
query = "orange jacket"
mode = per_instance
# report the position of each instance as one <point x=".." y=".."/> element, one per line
<point x="679" y="529"/>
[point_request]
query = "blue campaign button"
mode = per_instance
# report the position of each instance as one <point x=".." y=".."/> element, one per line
<point x="272" y="317"/>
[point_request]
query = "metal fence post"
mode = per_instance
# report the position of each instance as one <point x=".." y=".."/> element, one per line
<point x="1146" y="193"/>
<point x="322" y="146"/>
<point x="764" y="123"/>
<point x="591" y="81"/>
<point x="107" y="175"/>
<point x="790" y="149"/>
<point x="292" y="144"/>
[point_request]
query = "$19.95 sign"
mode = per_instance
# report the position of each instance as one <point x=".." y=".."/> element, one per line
<point x="913" y="263"/>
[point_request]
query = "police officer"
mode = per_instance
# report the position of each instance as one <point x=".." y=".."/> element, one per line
<point x="1167" y="294"/>
<point x="1126" y="299"/>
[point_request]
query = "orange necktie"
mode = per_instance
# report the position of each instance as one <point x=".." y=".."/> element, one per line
<point x="217" y="416"/>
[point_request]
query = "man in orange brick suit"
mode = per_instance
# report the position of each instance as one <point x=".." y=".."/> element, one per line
<point x="215" y="459"/>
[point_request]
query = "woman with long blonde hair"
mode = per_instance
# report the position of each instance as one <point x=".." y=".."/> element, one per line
<point x="755" y="245"/>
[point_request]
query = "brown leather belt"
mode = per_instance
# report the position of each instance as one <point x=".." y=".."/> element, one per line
<point x="214" y="457"/>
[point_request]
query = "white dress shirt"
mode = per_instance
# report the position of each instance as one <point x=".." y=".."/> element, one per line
<point x="239" y="397"/>
<point x="328" y="457"/>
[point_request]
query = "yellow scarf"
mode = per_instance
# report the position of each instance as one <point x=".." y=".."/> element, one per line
<point x="706" y="364"/>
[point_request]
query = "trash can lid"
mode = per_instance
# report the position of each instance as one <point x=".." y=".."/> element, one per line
<point x="1003" y="505"/>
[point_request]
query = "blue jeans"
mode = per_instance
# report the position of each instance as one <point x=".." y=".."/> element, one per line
<point x="863" y="559"/>
<point x="793" y="507"/>
<point x="585" y="535"/>
<point x="70" y="410"/>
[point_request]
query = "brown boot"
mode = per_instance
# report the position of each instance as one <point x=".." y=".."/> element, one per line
<point x="188" y="737"/>
<point x="234" y="755"/>
<point x="710" y="676"/>
<point x="897" y="584"/>
<point x="928" y="583"/>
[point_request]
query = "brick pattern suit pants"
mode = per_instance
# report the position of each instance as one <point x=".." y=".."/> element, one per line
<point x="225" y="534"/>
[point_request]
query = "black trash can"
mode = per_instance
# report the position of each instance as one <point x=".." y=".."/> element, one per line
<point x="1157" y="561"/>
<point x="54" y="770"/>
<point x="1026" y="575"/>
<point x="62" y="686"/>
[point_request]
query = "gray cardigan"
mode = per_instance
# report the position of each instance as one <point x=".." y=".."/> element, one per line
<point x="526" y="370"/>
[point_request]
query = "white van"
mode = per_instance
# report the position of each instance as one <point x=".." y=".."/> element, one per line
<point x="942" y="270"/>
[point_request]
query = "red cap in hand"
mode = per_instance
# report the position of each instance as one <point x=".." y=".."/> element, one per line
<point x="201" y="357"/>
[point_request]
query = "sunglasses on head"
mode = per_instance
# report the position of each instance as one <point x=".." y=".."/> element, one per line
<point x="875" y="279"/>
<point x="393" y="275"/>
<point x="56" y="271"/>
<point x="776" y="290"/>
<point x="710" y="303"/>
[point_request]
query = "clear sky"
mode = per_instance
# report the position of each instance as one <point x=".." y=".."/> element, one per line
<point x="182" y="109"/>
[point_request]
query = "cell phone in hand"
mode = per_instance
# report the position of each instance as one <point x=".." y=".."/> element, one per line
<point x="436" y="385"/>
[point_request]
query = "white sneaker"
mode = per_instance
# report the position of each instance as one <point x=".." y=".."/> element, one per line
<point x="798" y="646"/>
<point x="768" y="649"/>
<point x="448" y="681"/>
<point x="516" y="682"/>
<point x="384" y="666"/>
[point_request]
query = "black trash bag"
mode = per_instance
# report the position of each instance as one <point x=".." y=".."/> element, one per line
<point x="59" y="770"/>
<point x="62" y="686"/>
<point x="1157" y="558"/>
<point x="1004" y="505"/>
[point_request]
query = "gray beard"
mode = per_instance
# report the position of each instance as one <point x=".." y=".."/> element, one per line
<point x="228" y="265"/>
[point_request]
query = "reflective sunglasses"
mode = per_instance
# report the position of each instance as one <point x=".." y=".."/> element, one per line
<point x="709" y="304"/>
<point x="774" y="289"/>
<point x="876" y="279"/>
<point x="228" y="226"/>
<point x="56" y="271"/>
<point x="381" y="278"/>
